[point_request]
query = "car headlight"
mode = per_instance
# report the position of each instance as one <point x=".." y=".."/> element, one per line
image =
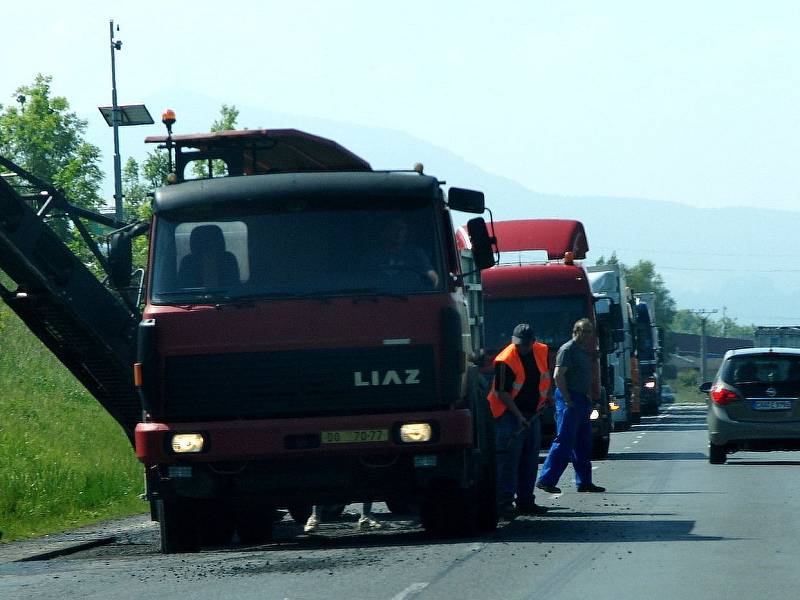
<point x="595" y="414"/>
<point x="612" y="406"/>
<point x="650" y="385"/>
<point x="415" y="432"/>
<point x="187" y="443"/>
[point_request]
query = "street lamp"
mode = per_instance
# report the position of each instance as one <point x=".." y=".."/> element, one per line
<point x="119" y="116"/>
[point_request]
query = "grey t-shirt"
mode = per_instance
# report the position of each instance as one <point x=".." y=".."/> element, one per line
<point x="579" y="367"/>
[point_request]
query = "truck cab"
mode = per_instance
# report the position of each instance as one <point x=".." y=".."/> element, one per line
<point x="306" y="339"/>
<point x="537" y="281"/>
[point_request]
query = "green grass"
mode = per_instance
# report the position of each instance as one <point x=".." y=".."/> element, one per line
<point x="686" y="391"/>
<point x="64" y="461"/>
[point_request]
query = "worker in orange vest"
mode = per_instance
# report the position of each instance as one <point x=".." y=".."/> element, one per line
<point x="520" y="389"/>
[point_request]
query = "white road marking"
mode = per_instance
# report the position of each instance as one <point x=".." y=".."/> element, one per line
<point x="414" y="588"/>
<point x="627" y="448"/>
<point x="635" y="442"/>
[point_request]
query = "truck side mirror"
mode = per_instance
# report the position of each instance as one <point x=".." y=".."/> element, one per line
<point x="120" y="259"/>
<point x="482" y="252"/>
<point x="471" y="201"/>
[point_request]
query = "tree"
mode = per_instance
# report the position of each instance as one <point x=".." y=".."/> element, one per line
<point x="687" y="321"/>
<point x="44" y="137"/>
<point x="226" y="122"/>
<point x="642" y="277"/>
<point x="138" y="182"/>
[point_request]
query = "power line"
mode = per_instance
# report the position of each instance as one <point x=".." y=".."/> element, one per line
<point x="724" y="270"/>
<point x="695" y="252"/>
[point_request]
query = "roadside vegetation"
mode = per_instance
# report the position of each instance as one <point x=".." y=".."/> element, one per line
<point x="685" y="389"/>
<point x="64" y="461"/>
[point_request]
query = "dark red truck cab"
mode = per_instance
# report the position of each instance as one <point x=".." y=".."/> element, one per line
<point x="310" y="372"/>
<point x="538" y="281"/>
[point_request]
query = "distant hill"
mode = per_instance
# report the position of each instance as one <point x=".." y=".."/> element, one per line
<point x="743" y="259"/>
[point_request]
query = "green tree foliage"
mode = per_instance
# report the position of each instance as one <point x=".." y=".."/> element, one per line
<point x="139" y="181"/>
<point x="686" y="321"/>
<point x="44" y="137"/>
<point x="226" y="122"/>
<point x="642" y="277"/>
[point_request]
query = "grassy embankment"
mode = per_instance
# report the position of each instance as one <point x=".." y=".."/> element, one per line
<point x="686" y="392"/>
<point x="64" y="461"/>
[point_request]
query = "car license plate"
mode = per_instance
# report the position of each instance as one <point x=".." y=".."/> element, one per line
<point x="772" y="404"/>
<point x="355" y="436"/>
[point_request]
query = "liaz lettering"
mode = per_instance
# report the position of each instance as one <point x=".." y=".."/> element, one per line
<point x="391" y="377"/>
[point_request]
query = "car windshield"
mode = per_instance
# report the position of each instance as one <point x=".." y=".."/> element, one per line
<point x="766" y="368"/>
<point x="297" y="249"/>
<point x="552" y="319"/>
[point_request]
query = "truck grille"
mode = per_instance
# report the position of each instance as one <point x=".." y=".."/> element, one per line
<point x="300" y="383"/>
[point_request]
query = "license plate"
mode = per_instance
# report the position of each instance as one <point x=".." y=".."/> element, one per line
<point x="772" y="404"/>
<point x="355" y="436"/>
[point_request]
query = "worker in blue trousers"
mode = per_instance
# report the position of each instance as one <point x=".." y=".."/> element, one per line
<point x="573" y="441"/>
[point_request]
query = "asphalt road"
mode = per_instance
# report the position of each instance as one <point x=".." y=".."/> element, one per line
<point x="670" y="526"/>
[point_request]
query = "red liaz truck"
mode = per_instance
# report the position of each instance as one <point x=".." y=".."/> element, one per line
<point x="538" y="282"/>
<point x="306" y="339"/>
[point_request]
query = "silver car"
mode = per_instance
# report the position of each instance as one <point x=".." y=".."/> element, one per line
<point x="754" y="402"/>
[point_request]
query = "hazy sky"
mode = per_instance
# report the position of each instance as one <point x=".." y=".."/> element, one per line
<point x="695" y="102"/>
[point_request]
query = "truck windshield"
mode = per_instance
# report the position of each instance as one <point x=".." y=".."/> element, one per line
<point x="552" y="319"/>
<point x="297" y="249"/>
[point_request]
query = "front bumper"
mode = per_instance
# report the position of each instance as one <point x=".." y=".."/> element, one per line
<point x="283" y="459"/>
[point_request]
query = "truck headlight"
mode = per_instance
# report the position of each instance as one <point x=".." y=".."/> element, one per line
<point x="614" y="406"/>
<point x="186" y="443"/>
<point x="411" y="433"/>
<point x="595" y="414"/>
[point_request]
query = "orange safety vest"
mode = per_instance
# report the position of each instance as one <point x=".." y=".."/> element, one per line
<point x="510" y="356"/>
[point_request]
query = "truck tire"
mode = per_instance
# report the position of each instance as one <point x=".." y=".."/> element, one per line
<point x="300" y="512"/>
<point x="332" y="512"/>
<point x="600" y="448"/>
<point x="622" y="425"/>
<point x="177" y="524"/>
<point x="402" y="508"/>
<point x="487" y="517"/>
<point x="717" y="454"/>
<point x="254" y="521"/>
<point x="214" y="522"/>
<point x="449" y="511"/>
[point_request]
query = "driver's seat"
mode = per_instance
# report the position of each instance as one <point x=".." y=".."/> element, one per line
<point x="208" y="264"/>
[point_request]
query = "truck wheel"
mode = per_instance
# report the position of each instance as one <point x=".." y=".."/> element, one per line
<point x="622" y="425"/>
<point x="717" y="454"/>
<point x="487" y="485"/>
<point x="254" y="522"/>
<point x="215" y="522"/>
<point x="449" y="511"/>
<point x="300" y="512"/>
<point x="600" y="448"/>
<point x="332" y="512"/>
<point x="176" y="519"/>
<point x="402" y="508"/>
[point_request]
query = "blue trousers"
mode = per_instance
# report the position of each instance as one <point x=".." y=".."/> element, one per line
<point x="573" y="441"/>
<point x="517" y="455"/>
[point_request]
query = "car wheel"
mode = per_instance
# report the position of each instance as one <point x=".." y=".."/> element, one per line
<point x="716" y="454"/>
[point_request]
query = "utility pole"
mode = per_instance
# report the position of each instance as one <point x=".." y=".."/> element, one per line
<point x="703" y="315"/>
<point x="116" y="45"/>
